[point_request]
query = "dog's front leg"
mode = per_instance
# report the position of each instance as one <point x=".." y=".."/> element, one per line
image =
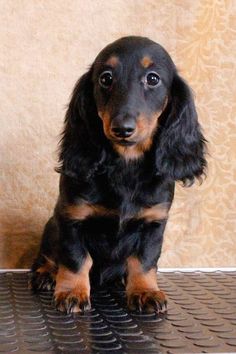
<point x="72" y="290"/>
<point x="142" y="289"/>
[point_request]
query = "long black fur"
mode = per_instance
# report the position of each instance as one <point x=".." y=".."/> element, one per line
<point x="92" y="170"/>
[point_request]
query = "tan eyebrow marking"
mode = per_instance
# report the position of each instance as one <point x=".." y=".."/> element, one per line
<point x="146" y="61"/>
<point x="112" y="61"/>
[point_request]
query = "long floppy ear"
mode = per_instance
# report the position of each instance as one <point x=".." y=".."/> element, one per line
<point x="181" y="146"/>
<point x="82" y="129"/>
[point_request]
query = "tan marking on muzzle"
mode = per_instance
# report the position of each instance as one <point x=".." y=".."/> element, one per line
<point x="132" y="152"/>
<point x="105" y="117"/>
<point x="144" y="132"/>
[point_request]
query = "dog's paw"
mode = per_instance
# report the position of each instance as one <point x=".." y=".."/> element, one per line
<point x="147" y="301"/>
<point x="72" y="301"/>
<point x="41" y="281"/>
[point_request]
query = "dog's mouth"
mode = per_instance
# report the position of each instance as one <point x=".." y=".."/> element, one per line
<point x="124" y="142"/>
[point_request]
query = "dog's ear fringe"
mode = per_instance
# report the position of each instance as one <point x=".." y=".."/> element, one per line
<point x="79" y="145"/>
<point x="180" y="144"/>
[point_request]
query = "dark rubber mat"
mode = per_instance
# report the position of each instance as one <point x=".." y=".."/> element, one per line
<point x="201" y="319"/>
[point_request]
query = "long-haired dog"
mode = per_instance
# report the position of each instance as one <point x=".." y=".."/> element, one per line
<point x="131" y="131"/>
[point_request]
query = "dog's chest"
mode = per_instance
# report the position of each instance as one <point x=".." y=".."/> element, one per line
<point x="128" y="189"/>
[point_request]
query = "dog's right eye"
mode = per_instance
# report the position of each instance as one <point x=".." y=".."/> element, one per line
<point x="105" y="79"/>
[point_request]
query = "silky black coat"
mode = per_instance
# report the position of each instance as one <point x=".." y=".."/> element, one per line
<point x="131" y="131"/>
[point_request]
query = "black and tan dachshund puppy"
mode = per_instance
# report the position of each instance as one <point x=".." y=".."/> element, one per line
<point x="131" y="131"/>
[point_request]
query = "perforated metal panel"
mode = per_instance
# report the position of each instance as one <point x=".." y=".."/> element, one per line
<point x="201" y="318"/>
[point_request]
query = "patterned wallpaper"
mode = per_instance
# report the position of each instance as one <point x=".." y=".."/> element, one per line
<point x="47" y="45"/>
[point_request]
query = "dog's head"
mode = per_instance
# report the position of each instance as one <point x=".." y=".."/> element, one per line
<point x="131" y="78"/>
<point x="133" y="97"/>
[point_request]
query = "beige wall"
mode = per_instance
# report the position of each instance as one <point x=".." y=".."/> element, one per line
<point x="46" y="45"/>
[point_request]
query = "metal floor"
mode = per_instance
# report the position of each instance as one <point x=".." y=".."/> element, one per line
<point x="201" y="319"/>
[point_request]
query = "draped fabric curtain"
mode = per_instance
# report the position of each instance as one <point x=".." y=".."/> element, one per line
<point x="47" y="45"/>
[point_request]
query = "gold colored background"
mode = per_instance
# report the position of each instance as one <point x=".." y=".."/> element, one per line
<point x="47" y="45"/>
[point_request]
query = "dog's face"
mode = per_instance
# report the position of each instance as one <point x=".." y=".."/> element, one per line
<point x="131" y="80"/>
<point x="134" y="97"/>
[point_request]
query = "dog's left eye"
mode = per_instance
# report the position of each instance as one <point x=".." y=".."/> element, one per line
<point x="152" y="79"/>
<point x="105" y="79"/>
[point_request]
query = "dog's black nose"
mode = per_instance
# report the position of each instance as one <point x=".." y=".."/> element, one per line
<point x="123" y="129"/>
